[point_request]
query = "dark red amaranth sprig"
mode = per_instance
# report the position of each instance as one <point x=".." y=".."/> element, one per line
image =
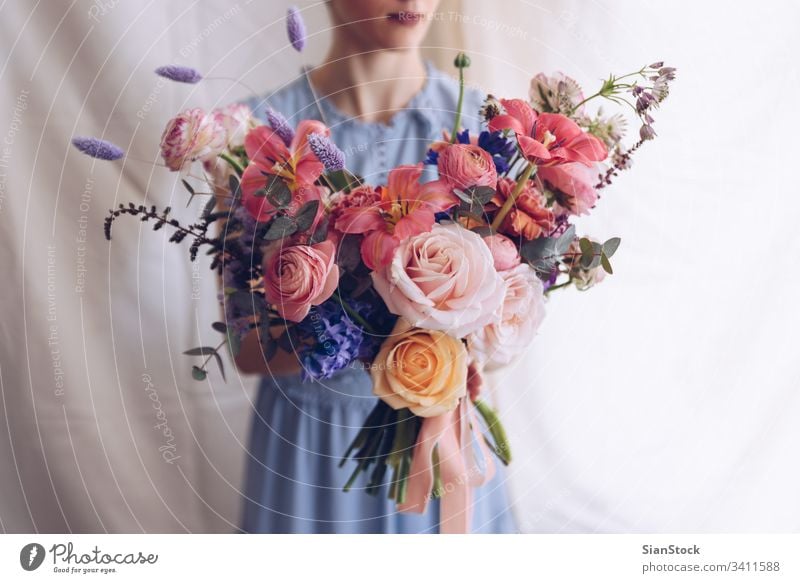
<point x="198" y="231"/>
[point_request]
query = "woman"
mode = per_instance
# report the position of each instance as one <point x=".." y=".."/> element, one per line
<point x="384" y="105"/>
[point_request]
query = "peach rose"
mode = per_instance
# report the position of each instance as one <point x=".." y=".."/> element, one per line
<point x="298" y="277"/>
<point x="424" y="370"/>
<point x="191" y="136"/>
<point x="443" y="280"/>
<point x="465" y="165"/>
<point x="528" y="217"/>
<point x="504" y="252"/>
<point x="523" y="312"/>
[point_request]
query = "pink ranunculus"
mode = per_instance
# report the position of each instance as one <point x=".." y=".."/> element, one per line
<point x="548" y="139"/>
<point x="573" y="185"/>
<point x="192" y="135"/>
<point x="298" y="277"/>
<point x="405" y="208"/>
<point x="465" y="165"/>
<point x="237" y="119"/>
<point x="504" y="252"/>
<point x="443" y="279"/>
<point x="522" y="314"/>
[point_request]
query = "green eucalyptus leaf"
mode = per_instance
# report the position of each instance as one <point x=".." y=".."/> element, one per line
<point x="201" y="351"/>
<point x="306" y="215"/>
<point x="606" y="263"/>
<point x="565" y="240"/>
<point x="280" y="227"/>
<point x="610" y="247"/>
<point x="198" y="373"/>
<point x="277" y="191"/>
<point x="482" y="194"/>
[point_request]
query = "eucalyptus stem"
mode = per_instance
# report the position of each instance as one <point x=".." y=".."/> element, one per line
<point x="506" y="208"/>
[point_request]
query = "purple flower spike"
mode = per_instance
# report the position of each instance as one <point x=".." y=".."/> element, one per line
<point x="179" y="74"/>
<point x="281" y="127"/>
<point x="296" y="28"/>
<point x="97" y="148"/>
<point x="327" y="152"/>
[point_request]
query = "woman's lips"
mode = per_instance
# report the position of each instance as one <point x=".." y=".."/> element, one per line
<point x="406" y="18"/>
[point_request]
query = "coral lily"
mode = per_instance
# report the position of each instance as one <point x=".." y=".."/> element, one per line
<point x="548" y="139"/>
<point x="402" y="209"/>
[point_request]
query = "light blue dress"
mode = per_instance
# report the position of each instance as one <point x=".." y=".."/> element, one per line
<point x="300" y="430"/>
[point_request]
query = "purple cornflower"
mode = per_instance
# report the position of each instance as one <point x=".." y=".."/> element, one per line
<point x="179" y="73"/>
<point x="327" y="152"/>
<point x="97" y="148"/>
<point x="281" y="127"/>
<point x="295" y="28"/>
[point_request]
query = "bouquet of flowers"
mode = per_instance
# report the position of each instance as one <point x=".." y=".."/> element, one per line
<point x="423" y="283"/>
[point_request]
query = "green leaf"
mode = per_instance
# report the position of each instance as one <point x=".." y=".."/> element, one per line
<point x="209" y="207"/>
<point x="610" y="247"/>
<point x="277" y="192"/>
<point x="280" y="227"/>
<point x="481" y="194"/>
<point x="201" y="351"/>
<point x="321" y="232"/>
<point x="306" y="215"/>
<point x="606" y="263"/>
<point x="565" y="240"/>
<point x="187" y="186"/>
<point x="198" y="373"/>
<point x="342" y="180"/>
<point x="218" y="358"/>
<point x="462" y="195"/>
<point x="220" y="327"/>
<point x="587" y="252"/>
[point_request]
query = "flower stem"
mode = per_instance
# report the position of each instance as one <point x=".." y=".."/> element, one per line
<point x="353" y="314"/>
<point x="506" y="208"/>
<point x="236" y="166"/>
<point x="457" y="123"/>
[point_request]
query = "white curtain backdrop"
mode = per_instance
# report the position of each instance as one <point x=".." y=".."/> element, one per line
<point x="665" y="399"/>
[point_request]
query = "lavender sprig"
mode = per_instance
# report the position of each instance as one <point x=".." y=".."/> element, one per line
<point x="179" y="74"/>
<point x="97" y="148"/>
<point x="327" y="152"/>
<point x="296" y="28"/>
<point x="281" y="127"/>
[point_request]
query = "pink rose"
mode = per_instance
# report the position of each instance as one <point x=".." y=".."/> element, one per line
<point x="443" y="280"/>
<point x="465" y="165"/>
<point x="298" y="277"/>
<point x="573" y="185"/>
<point x="522" y="314"/>
<point x="504" y="252"/>
<point x="191" y="136"/>
<point x="236" y="119"/>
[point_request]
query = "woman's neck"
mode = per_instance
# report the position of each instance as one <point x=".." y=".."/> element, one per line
<point x="371" y="86"/>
